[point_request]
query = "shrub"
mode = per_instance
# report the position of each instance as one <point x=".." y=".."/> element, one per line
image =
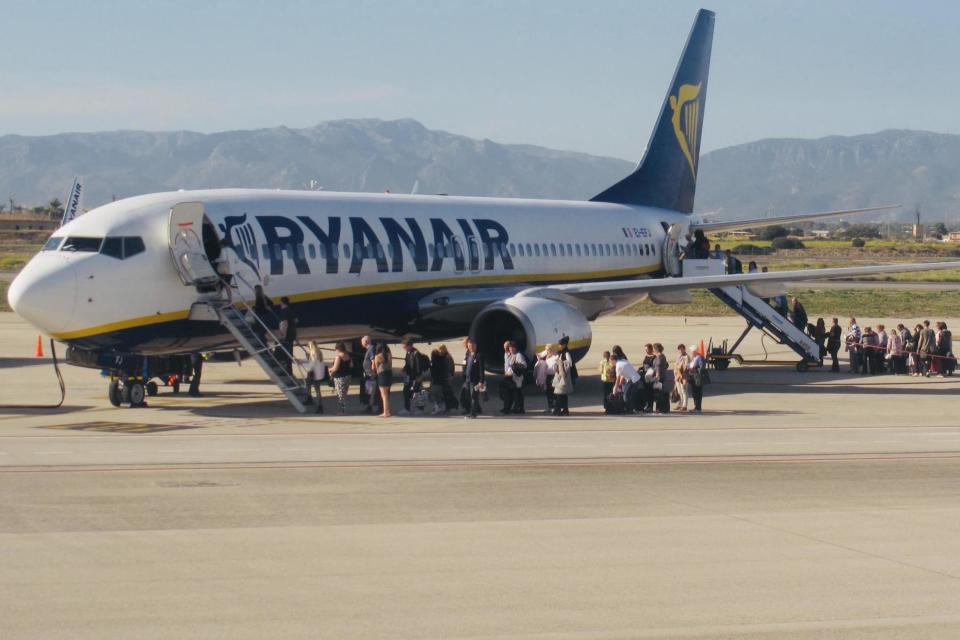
<point x="786" y="243"/>
<point x="858" y="242"/>
<point x="751" y="250"/>
<point x="770" y="233"/>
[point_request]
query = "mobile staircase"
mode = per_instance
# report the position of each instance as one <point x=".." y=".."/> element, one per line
<point x="251" y="331"/>
<point x="760" y="315"/>
<point x="237" y="319"/>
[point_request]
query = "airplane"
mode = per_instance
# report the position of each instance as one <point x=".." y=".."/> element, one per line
<point x="122" y="283"/>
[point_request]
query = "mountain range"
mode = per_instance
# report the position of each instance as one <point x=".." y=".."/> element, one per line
<point x="912" y="168"/>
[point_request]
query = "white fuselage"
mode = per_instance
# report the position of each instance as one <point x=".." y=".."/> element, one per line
<point x="350" y="263"/>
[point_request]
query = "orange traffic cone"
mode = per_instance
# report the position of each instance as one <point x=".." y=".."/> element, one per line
<point x="702" y="352"/>
<point x="39" y="353"/>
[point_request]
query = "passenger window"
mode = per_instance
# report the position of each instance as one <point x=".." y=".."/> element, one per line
<point x="536" y="248"/>
<point x="513" y="249"/>
<point x="346" y="251"/>
<point x="432" y="250"/>
<point x="312" y="251"/>
<point x="52" y="244"/>
<point x="300" y="253"/>
<point x="82" y="245"/>
<point x="520" y="249"/>
<point x="322" y="251"/>
<point x="562" y="252"/>
<point x="113" y="247"/>
<point x="577" y="247"/>
<point x="553" y="250"/>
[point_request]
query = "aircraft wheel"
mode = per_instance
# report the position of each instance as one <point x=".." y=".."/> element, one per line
<point x="114" y="393"/>
<point x="152" y="388"/>
<point x="803" y="366"/>
<point x="136" y="394"/>
<point x="125" y="393"/>
<point x="721" y="365"/>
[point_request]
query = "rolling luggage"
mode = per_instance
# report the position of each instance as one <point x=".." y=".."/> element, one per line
<point x="614" y="405"/>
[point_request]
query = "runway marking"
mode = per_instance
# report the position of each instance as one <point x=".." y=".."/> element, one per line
<point x="501" y="462"/>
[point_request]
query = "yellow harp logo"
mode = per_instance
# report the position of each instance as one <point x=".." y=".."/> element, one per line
<point x="686" y="121"/>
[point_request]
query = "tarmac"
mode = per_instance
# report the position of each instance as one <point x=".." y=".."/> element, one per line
<point x="811" y="505"/>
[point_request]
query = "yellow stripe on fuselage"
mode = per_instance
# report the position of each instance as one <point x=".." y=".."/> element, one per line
<point x="368" y="289"/>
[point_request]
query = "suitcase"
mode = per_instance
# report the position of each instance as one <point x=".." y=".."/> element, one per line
<point x="614" y="405"/>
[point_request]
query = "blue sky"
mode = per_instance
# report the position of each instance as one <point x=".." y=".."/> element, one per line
<point x="586" y="76"/>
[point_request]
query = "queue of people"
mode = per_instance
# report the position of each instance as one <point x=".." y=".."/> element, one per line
<point x="925" y="350"/>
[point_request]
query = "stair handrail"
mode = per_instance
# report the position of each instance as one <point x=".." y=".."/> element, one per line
<point x="249" y="310"/>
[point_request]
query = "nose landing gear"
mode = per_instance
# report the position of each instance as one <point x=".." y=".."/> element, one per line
<point x="128" y="390"/>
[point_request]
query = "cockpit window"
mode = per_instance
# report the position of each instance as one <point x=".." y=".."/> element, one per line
<point x="121" y="247"/>
<point x="78" y="244"/>
<point x="113" y="247"/>
<point x="132" y="245"/>
<point x="52" y="244"/>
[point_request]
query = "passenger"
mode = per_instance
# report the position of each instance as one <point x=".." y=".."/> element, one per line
<point x="799" y="315"/>
<point x="895" y="353"/>
<point x="680" y="382"/>
<point x="544" y="371"/>
<point x="627" y="379"/>
<point x="369" y="393"/>
<point x="701" y="245"/>
<point x="608" y="378"/>
<point x="916" y="360"/>
<point x="564" y="344"/>
<point x="928" y="347"/>
<point x="263" y="309"/>
<point x="697" y="377"/>
<point x="834" y="340"/>
<point x="221" y="265"/>
<point x="868" y="352"/>
<point x="752" y="267"/>
<point x="415" y="367"/>
<point x="383" y="370"/>
<point x="882" y="341"/>
<point x="852" y="340"/>
<point x="507" y="384"/>
<point x="648" y="377"/>
<point x="733" y="263"/>
<point x="475" y="379"/>
<point x="563" y="381"/>
<point x="441" y="377"/>
<point x="516" y="368"/>
<point x="288" y="334"/>
<point x="340" y="371"/>
<point x="945" y="349"/>
<point x="717" y="253"/>
<point x="661" y="383"/>
<point x="820" y="337"/>
<point x="316" y="373"/>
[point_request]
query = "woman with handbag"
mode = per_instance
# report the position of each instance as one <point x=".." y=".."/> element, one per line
<point x="341" y="372"/>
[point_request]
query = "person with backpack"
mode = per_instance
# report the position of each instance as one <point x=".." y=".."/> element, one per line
<point x="416" y="366"/>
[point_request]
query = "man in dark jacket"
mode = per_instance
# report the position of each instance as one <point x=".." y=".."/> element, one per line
<point x="475" y="379"/>
<point x="415" y="366"/>
<point x="799" y="315"/>
<point x="834" y="340"/>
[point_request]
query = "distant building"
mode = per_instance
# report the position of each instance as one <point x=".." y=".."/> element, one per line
<point x="953" y="236"/>
<point x="819" y="233"/>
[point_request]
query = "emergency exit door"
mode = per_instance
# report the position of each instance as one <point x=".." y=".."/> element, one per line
<point x="186" y="244"/>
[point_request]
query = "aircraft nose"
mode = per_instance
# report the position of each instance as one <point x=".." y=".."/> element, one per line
<point x="45" y="293"/>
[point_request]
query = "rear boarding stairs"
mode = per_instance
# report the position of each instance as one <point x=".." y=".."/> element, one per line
<point x="758" y="314"/>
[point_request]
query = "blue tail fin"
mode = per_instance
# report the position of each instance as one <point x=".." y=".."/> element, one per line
<point x="667" y="175"/>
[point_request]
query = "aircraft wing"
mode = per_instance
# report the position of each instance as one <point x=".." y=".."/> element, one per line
<point x="713" y="227"/>
<point x="594" y="290"/>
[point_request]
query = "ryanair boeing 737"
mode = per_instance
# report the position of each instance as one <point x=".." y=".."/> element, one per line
<point x="131" y="280"/>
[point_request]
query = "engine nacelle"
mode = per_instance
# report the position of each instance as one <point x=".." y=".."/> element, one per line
<point x="532" y="323"/>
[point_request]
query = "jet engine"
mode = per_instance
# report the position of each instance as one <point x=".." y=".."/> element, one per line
<point x="532" y="323"/>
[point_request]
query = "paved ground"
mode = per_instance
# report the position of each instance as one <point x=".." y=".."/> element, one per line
<point x="798" y="506"/>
